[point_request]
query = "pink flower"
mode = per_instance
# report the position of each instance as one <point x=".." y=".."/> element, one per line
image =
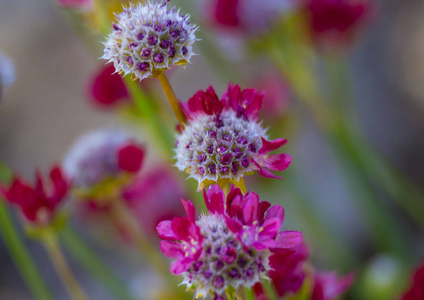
<point x="107" y="88"/>
<point x="230" y="246"/>
<point x="74" y="3"/>
<point x="328" y="285"/>
<point x="416" y="291"/>
<point x="223" y="139"/>
<point x="38" y="203"/>
<point x="130" y="157"/>
<point x="151" y="198"/>
<point x="336" y="21"/>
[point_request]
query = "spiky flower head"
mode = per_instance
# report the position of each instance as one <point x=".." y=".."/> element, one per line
<point x="230" y="246"/>
<point x="223" y="140"/>
<point x="148" y="39"/>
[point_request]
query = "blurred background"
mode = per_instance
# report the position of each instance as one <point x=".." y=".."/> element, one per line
<point x="47" y="109"/>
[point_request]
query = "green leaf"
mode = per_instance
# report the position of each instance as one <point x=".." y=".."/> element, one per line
<point x="21" y="257"/>
<point x="94" y="265"/>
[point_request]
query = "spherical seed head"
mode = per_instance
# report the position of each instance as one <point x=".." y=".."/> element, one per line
<point x="215" y="148"/>
<point x="224" y="261"/>
<point x="148" y="39"/>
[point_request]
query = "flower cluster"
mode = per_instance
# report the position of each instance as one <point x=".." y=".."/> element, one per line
<point x="102" y="155"/>
<point x="38" y="203"/>
<point x="147" y="39"/>
<point x="229" y="247"/>
<point x="223" y="140"/>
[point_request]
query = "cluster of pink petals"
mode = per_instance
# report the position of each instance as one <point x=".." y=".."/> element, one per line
<point x="246" y="104"/>
<point x="329" y="286"/>
<point x="38" y="203"/>
<point x="255" y="223"/>
<point x="416" y="291"/>
<point x="336" y="19"/>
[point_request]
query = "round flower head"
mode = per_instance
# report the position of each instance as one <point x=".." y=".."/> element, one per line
<point x="223" y="140"/>
<point x="101" y="156"/>
<point x="230" y="246"/>
<point x="148" y="39"/>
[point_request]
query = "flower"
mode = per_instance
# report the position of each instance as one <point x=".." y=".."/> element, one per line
<point x="107" y="88"/>
<point x="328" y="285"/>
<point x="38" y="203"/>
<point x="147" y="39"/>
<point x="101" y="156"/>
<point x="230" y="246"/>
<point x="416" y="291"/>
<point x="223" y="140"/>
<point x="7" y="74"/>
<point x="336" y="21"/>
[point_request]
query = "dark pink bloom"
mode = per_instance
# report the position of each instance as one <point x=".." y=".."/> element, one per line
<point x="107" y="87"/>
<point x="416" y="290"/>
<point x="226" y="12"/>
<point x="130" y="158"/>
<point x="336" y="21"/>
<point x="223" y="139"/>
<point x="38" y="203"/>
<point x="239" y="228"/>
<point x="329" y="286"/>
<point x="151" y="198"/>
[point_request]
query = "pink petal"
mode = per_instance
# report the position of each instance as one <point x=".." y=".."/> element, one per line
<point x="181" y="265"/>
<point x="231" y="96"/>
<point x="288" y="239"/>
<point x="264" y="172"/>
<point x="181" y="227"/>
<point x="234" y="225"/>
<point x="270" y="228"/>
<point x="276" y="211"/>
<point x="278" y="162"/>
<point x="250" y="209"/>
<point x="215" y="199"/>
<point x="130" y="158"/>
<point x="164" y="230"/>
<point x="172" y="249"/>
<point x="263" y="206"/>
<point x="253" y="99"/>
<point x="268" y="146"/>
<point x="190" y="209"/>
<point x="226" y="12"/>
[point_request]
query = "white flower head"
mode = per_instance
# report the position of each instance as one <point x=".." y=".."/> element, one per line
<point x="148" y="39"/>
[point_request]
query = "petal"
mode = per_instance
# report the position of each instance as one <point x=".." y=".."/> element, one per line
<point x="252" y="102"/>
<point x="268" y="146"/>
<point x="172" y="249"/>
<point x="181" y="265"/>
<point x="165" y="231"/>
<point x="215" y="199"/>
<point x="181" y="227"/>
<point x="263" y="206"/>
<point x="190" y="209"/>
<point x="264" y="172"/>
<point x="288" y="239"/>
<point x="234" y="225"/>
<point x="250" y="209"/>
<point x="270" y="228"/>
<point x="278" y="162"/>
<point x="276" y="211"/>
<point x="231" y="96"/>
<point x="130" y="157"/>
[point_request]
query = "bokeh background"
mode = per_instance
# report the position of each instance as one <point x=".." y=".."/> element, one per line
<point x="46" y="110"/>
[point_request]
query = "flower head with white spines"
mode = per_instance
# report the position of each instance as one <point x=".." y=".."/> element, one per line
<point x="148" y="39"/>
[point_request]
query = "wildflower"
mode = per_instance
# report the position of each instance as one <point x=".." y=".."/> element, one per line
<point x="230" y="246"/>
<point x="416" y="291"/>
<point x="108" y="89"/>
<point x="38" y="203"/>
<point x="148" y="39"/>
<point x="336" y="21"/>
<point x="328" y="285"/>
<point x="223" y="140"/>
<point x="7" y="74"/>
<point x="101" y="160"/>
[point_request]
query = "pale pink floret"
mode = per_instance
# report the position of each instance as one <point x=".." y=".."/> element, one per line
<point x="329" y="285"/>
<point x="235" y="238"/>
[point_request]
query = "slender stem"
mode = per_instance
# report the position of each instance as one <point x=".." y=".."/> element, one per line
<point x="169" y="92"/>
<point x="62" y="268"/>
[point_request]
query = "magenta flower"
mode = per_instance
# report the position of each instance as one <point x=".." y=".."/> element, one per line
<point x="416" y="291"/>
<point x="38" y="203"/>
<point x="223" y="140"/>
<point x="328" y="285"/>
<point x="230" y="246"/>
<point x="336" y="21"/>
<point x="107" y="88"/>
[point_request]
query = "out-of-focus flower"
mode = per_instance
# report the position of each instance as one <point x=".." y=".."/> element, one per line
<point x="230" y="246"/>
<point x="416" y="291"/>
<point x="223" y="140"/>
<point x="329" y="286"/>
<point x="75" y="3"/>
<point x="107" y="88"/>
<point x="336" y="22"/>
<point x="151" y="198"/>
<point x="102" y="160"/>
<point x="7" y="74"/>
<point x="38" y="203"/>
<point x="148" y="39"/>
<point x="249" y="16"/>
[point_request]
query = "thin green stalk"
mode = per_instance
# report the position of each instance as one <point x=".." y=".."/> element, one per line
<point x="94" y="265"/>
<point x="21" y="257"/>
